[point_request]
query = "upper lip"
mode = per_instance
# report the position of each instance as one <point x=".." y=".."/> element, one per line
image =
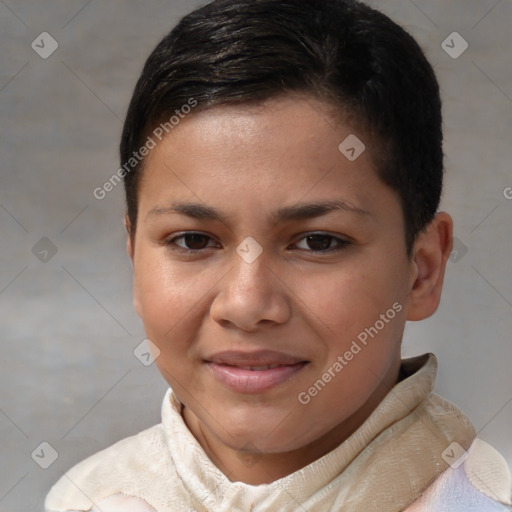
<point x="254" y="358"/>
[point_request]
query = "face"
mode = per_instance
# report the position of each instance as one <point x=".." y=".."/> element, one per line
<point x="270" y="270"/>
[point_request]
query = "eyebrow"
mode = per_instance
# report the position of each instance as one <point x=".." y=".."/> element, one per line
<point x="286" y="213"/>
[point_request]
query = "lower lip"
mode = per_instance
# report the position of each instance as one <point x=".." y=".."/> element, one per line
<point x="253" y="381"/>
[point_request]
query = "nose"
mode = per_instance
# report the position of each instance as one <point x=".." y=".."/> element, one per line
<point x="251" y="296"/>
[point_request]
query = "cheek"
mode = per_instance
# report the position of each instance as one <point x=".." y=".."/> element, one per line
<point x="170" y="308"/>
<point x="346" y="299"/>
<point x="166" y="295"/>
<point x="356" y="305"/>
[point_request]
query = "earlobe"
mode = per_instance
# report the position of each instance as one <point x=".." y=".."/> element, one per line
<point x="431" y="252"/>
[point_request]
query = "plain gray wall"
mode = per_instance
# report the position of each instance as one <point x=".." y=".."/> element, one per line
<point x="68" y="329"/>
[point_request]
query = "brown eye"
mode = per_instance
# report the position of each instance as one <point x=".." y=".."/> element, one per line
<point x="319" y="242"/>
<point x="322" y="242"/>
<point x="191" y="241"/>
<point x="196" y="241"/>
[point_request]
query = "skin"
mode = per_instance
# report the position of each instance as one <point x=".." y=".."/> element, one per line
<point x="248" y="161"/>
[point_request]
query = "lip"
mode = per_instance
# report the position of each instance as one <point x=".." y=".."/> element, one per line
<point x="253" y="358"/>
<point x="230" y="368"/>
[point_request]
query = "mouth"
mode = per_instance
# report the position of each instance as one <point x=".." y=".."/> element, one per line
<point x="254" y="372"/>
<point x="259" y="368"/>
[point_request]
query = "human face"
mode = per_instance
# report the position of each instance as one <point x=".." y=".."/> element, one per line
<point x="306" y="300"/>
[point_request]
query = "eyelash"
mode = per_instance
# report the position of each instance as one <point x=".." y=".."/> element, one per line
<point x="170" y="243"/>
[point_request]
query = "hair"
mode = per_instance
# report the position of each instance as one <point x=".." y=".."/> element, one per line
<point x="340" y="51"/>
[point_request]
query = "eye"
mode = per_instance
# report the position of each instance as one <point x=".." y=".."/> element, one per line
<point x="313" y="242"/>
<point x="191" y="241"/>
<point x="322" y="242"/>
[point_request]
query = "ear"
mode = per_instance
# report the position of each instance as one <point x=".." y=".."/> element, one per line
<point x="130" y="248"/>
<point x="129" y="241"/>
<point x="430" y="255"/>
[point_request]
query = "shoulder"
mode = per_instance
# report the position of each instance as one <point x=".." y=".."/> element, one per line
<point x="488" y="472"/>
<point x="120" y="502"/>
<point x="124" y="466"/>
<point x="479" y="479"/>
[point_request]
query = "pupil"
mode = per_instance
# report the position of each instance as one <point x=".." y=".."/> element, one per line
<point x="194" y="240"/>
<point x="325" y="245"/>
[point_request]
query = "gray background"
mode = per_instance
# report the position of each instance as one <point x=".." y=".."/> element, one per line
<point x="68" y="331"/>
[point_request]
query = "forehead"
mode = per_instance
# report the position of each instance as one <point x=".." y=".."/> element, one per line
<point x="280" y="151"/>
<point x="278" y="123"/>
